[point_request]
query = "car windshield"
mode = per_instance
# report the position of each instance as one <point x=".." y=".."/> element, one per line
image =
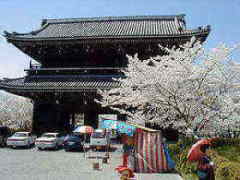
<point x="20" y="135"/>
<point x="74" y="137"/>
<point x="98" y="135"/>
<point x="49" y="135"/>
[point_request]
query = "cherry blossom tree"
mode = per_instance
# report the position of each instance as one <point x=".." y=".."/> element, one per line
<point x="176" y="89"/>
<point x="15" y="111"/>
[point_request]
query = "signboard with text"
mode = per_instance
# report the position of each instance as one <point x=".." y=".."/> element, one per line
<point x="107" y="117"/>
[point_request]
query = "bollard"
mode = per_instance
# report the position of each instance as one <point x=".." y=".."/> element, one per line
<point x="105" y="160"/>
<point x="96" y="166"/>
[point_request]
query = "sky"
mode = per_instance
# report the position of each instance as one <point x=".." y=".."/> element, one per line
<point x="26" y="15"/>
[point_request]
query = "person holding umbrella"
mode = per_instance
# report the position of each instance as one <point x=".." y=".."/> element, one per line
<point x="197" y="153"/>
<point x="86" y="131"/>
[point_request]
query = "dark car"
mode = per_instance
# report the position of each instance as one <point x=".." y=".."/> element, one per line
<point x="73" y="143"/>
<point x="4" y="134"/>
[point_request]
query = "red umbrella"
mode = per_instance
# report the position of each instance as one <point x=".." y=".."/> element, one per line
<point x="195" y="152"/>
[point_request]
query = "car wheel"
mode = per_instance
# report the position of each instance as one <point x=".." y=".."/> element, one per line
<point x="40" y="149"/>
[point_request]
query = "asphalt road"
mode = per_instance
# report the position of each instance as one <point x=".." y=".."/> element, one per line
<point x="31" y="164"/>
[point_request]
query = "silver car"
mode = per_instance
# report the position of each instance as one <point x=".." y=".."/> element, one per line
<point x="49" y="141"/>
<point x="21" y="139"/>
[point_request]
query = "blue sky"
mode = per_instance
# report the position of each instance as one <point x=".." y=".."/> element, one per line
<point x="25" y="16"/>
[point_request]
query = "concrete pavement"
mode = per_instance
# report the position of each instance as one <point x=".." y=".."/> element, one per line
<point x="31" y="164"/>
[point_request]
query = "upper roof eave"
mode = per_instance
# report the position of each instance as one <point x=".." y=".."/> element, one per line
<point x="184" y="34"/>
<point x="79" y="28"/>
<point x="46" y="22"/>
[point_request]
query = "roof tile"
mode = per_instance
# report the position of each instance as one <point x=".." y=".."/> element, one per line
<point x="61" y="83"/>
<point x="110" y="27"/>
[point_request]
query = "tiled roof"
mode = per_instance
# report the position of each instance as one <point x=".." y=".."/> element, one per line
<point x="60" y="83"/>
<point x="110" y="27"/>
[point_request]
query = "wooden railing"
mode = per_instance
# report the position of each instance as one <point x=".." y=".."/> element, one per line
<point x="81" y="70"/>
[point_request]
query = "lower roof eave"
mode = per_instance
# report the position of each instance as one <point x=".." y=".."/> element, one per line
<point x="31" y="90"/>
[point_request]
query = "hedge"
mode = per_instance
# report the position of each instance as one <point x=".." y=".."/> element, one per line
<point x="224" y="168"/>
<point x="218" y="142"/>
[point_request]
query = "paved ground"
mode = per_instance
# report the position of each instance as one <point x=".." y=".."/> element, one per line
<point x="31" y="164"/>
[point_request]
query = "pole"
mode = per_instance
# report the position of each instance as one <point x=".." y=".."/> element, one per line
<point x="84" y="145"/>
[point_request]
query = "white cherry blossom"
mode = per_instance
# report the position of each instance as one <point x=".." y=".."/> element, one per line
<point x="179" y="87"/>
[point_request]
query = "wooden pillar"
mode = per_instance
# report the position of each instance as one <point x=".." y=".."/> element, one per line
<point x="36" y="115"/>
<point x="91" y="115"/>
<point x="91" y="118"/>
<point x="63" y="123"/>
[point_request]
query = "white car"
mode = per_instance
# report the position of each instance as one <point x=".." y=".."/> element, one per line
<point x="20" y="139"/>
<point x="49" y="141"/>
<point x="100" y="139"/>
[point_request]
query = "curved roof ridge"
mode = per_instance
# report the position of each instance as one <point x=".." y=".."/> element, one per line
<point x="34" y="32"/>
<point x="114" y="18"/>
<point x="11" y="79"/>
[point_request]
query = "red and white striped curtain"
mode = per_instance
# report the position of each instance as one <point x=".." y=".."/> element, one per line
<point x="149" y="152"/>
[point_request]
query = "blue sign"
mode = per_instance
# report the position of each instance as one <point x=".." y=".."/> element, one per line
<point x="124" y="128"/>
<point x="120" y="126"/>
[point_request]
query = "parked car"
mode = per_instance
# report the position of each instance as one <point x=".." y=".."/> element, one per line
<point x="100" y="139"/>
<point x="49" y="141"/>
<point x="73" y="142"/>
<point x="4" y="134"/>
<point x="21" y="139"/>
